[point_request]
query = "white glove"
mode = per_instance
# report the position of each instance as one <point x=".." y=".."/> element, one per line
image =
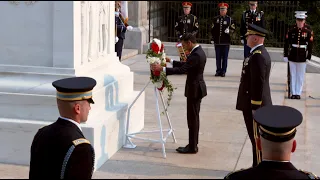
<point x="129" y="28"/>
<point x="116" y="40"/>
<point x="285" y="59"/>
<point x="180" y="36"/>
<point x="242" y="41"/>
<point x="226" y="31"/>
<point x="212" y="42"/>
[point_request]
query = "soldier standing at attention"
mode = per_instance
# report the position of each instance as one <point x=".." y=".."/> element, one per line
<point x="60" y="150"/>
<point x="187" y="23"/>
<point x="251" y="16"/>
<point x="254" y="89"/>
<point x="221" y="28"/>
<point x="277" y="129"/>
<point x="297" y="49"/>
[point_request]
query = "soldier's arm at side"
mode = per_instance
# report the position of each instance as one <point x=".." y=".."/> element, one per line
<point x="258" y="71"/>
<point x="263" y="22"/>
<point x="33" y="158"/>
<point x="242" y="27"/>
<point x="195" y="26"/>
<point x="191" y="62"/>
<point x="286" y="44"/>
<point x="177" y="27"/>
<point x="212" y="29"/>
<point x="81" y="162"/>
<point x="310" y="45"/>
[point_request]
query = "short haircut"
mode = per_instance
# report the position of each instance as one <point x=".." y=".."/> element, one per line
<point x="189" y="37"/>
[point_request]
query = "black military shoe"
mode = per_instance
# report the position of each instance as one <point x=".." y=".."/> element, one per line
<point x="298" y="97"/>
<point x="217" y="74"/>
<point x="223" y="75"/>
<point x="293" y="97"/>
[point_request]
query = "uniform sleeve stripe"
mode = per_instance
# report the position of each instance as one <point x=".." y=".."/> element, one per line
<point x="65" y="161"/>
<point x="256" y="102"/>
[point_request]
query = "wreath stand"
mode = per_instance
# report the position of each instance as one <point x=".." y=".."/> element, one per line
<point x="130" y="145"/>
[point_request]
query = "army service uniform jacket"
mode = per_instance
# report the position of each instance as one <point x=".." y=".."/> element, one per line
<point x="271" y="170"/>
<point x="186" y="24"/>
<point x="195" y="87"/>
<point x="60" y="151"/>
<point x="254" y="88"/>
<point x="248" y="17"/>
<point x="298" y="44"/>
<point x="218" y="27"/>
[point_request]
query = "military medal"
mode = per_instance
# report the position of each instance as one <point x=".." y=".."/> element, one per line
<point x="258" y="17"/>
<point x="224" y="22"/>
<point x="304" y="34"/>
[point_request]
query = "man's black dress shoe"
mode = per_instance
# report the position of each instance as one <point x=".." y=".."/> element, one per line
<point x="298" y="97"/>
<point x="223" y="75"/>
<point x="187" y="150"/>
<point x="217" y="74"/>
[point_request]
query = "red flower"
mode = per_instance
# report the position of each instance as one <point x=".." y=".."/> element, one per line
<point x="156" y="73"/>
<point x="155" y="48"/>
<point x="162" y="47"/>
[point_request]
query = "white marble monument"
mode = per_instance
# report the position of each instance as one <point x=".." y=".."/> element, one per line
<point x="42" y="41"/>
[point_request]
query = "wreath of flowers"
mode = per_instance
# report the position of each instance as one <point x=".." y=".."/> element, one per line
<point x="156" y="54"/>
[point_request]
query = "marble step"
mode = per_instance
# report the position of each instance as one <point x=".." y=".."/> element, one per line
<point x="128" y="53"/>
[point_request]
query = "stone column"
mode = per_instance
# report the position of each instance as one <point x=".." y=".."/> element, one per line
<point x="138" y="18"/>
<point x="50" y="40"/>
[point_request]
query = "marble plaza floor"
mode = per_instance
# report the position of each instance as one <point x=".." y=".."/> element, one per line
<point x="224" y="145"/>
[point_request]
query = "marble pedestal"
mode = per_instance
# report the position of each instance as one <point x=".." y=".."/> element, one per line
<point x="50" y="40"/>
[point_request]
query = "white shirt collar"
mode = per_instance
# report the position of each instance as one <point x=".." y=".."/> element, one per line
<point x="252" y="11"/>
<point x="255" y="47"/>
<point x="70" y="120"/>
<point x="273" y="160"/>
<point x="194" y="48"/>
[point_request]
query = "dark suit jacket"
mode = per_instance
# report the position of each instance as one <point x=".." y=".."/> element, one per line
<point x="121" y="28"/>
<point x="50" y="147"/>
<point x="272" y="170"/>
<point x="254" y="89"/>
<point x="194" y="66"/>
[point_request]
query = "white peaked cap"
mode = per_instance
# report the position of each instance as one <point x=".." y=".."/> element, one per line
<point x="301" y="14"/>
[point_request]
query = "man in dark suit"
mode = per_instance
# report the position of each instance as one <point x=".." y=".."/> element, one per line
<point x="251" y="16"/>
<point x="195" y="88"/>
<point x="277" y="129"/>
<point x="254" y="89"/>
<point x="60" y="150"/>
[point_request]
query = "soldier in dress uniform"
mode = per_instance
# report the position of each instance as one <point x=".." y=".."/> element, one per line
<point x="60" y="150"/>
<point x="187" y="23"/>
<point x="251" y="16"/>
<point x="254" y="88"/>
<point x="277" y="129"/>
<point x="221" y="28"/>
<point x="121" y="28"/>
<point x="297" y="49"/>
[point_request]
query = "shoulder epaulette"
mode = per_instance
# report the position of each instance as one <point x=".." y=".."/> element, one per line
<point x="227" y="176"/>
<point x="310" y="174"/>
<point x="257" y="51"/>
<point x="80" y="141"/>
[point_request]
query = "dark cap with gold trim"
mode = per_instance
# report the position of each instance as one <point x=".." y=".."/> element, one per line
<point x="75" y="88"/>
<point x="278" y="123"/>
<point x="256" y="30"/>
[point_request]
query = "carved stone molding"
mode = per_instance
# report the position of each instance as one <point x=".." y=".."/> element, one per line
<point x="26" y="2"/>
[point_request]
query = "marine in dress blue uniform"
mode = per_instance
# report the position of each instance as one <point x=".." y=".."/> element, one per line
<point x="60" y="150"/>
<point x="221" y="28"/>
<point x="251" y="16"/>
<point x="277" y="129"/>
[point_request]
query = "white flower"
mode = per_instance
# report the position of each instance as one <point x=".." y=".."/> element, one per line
<point x="163" y="58"/>
<point x="152" y="60"/>
<point x="158" y="84"/>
